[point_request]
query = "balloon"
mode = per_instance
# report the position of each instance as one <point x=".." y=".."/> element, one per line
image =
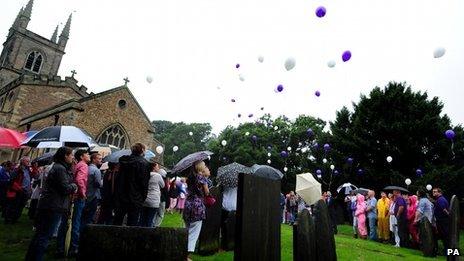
<point x="312" y="158"/>
<point x="321" y="11"/>
<point x="336" y="172"/>
<point x="276" y="127"/>
<point x="218" y="87"/>
<point x="319" y="176"/>
<point x="310" y="132"/>
<point x="304" y="150"/>
<point x="428" y="187"/>
<point x="241" y="77"/>
<point x="289" y="148"/>
<point x="191" y="133"/>
<point x="280" y="88"/>
<point x="250" y="115"/>
<point x="290" y="63"/>
<point x="331" y="64"/>
<point x="349" y="161"/>
<point x="450" y="134"/>
<point x="324" y="161"/>
<point x="285" y="169"/>
<point x="254" y="138"/>
<point x="326" y="147"/>
<point x="419" y="172"/>
<point x="268" y="161"/>
<point x="346" y="56"/>
<point x="439" y="52"/>
<point x="284" y="154"/>
<point x="232" y="100"/>
<point x="317" y="93"/>
<point x="318" y="172"/>
<point x="262" y="108"/>
<point x="149" y="79"/>
<point x="332" y="167"/>
<point x="360" y="172"/>
<point x="269" y="154"/>
<point x="239" y="115"/>
<point x="389" y="159"/>
<point x="247" y="133"/>
<point x="315" y="146"/>
<point x="407" y="181"/>
<point x="175" y="148"/>
<point x="237" y="65"/>
<point x="159" y="149"/>
<point x="224" y="142"/>
<point x="260" y="59"/>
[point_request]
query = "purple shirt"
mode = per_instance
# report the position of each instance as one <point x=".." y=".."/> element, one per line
<point x="440" y="205"/>
<point x="398" y="203"/>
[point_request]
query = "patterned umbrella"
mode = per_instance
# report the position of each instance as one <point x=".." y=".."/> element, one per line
<point x="188" y="160"/>
<point x="228" y="174"/>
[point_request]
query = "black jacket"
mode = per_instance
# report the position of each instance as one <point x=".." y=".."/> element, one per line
<point x="57" y="189"/>
<point x="132" y="181"/>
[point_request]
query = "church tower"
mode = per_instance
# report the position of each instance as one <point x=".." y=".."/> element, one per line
<point x="25" y="52"/>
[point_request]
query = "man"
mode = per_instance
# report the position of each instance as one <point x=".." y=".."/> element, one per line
<point x="81" y="173"/>
<point x="94" y="184"/>
<point x="401" y="218"/>
<point x="19" y="191"/>
<point x="331" y="205"/>
<point x="132" y="186"/>
<point x="159" y="215"/>
<point x="441" y="213"/>
<point x="4" y="183"/>
<point x="372" y="214"/>
<point x="383" y="206"/>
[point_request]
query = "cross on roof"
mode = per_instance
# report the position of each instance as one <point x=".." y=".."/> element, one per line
<point x="126" y="80"/>
<point x="73" y="72"/>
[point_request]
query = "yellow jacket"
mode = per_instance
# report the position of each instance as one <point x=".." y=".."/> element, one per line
<point x="383" y="207"/>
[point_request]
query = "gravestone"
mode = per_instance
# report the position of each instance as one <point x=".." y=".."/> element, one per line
<point x="454" y="226"/>
<point x="257" y="234"/>
<point x="426" y="238"/>
<point x="325" y="240"/>
<point x="208" y="242"/>
<point x="99" y="242"/>
<point x="304" y="240"/>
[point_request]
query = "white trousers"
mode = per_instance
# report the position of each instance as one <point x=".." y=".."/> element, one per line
<point x="159" y="215"/>
<point x="193" y="234"/>
<point x="397" y="237"/>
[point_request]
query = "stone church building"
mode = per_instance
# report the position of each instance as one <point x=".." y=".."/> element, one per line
<point x="33" y="96"/>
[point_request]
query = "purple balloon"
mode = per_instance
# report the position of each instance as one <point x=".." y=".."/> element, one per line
<point x="450" y="134"/>
<point x="318" y="172"/>
<point x="336" y="172"/>
<point x="239" y="115"/>
<point x="346" y="56"/>
<point x="317" y="93"/>
<point x="326" y="147"/>
<point x="284" y="154"/>
<point x="250" y="115"/>
<point x="262" y="108"/>
<point x="232" y="100"/>
<point x="315" y="146"/>
<point x="360" y="171"/>
<point x="237" y="65"/>
<point x="349" y="161"/>
<point x="321" y="11"/>
<point x="254" y="138"/>
<point x="310" y="132"/>
<point x="419" y="172"/>
<point x="280" y="88"/>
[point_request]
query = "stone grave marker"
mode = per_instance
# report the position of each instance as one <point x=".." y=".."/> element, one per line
<point x="304" y="238"/>
<point x="325" y="240"/>
<point x="454" y="226"/>
<point x="427" y="238"/>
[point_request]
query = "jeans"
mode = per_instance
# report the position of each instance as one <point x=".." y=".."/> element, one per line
<point x="46" y="224"/>
<point x="372" y="228"/>
<point x="75" y="227"/>
<point x="133" y="216"/>
<point x="159" y="215"/>
<point x="147" y="216"/>
<point x="88" y="213"/>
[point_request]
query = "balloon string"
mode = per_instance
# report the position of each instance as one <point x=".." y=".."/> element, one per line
<point x="452" y="150"/>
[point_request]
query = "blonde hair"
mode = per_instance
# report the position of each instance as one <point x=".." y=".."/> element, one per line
<point x="200" y="167"/>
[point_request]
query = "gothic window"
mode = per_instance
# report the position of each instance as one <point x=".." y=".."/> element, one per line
<point x="114" y="135"/>
<point x="34" y="62"/>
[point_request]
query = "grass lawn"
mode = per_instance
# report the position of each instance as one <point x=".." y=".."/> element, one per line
<point x="14" y="242"/>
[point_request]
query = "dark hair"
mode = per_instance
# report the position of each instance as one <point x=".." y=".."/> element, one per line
<point x="79" y="154"/>
<point x="421" y="193"/>
<point x="138" y="148"/>
<point x="151" y="165"/>
<point x="94" y="156"/>
<point x="61" y="153"/>
<point x="438" y="190"/>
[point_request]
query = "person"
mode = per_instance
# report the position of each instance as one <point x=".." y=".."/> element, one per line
<point x="400" y="212"/>
<point x="159" y="215"/>
<point x="292" y="207"/>
<point x="108" y="194"/>
<point x="19" y="191"/>
<point x="5" y="172"/>
<point x="94" y="184"/>
<point x="424" y="207"/>
<point x="393" y="222"/>
<point x="282" y="208"/>
<point x="347" y="201"/>
<point x="353" y="204"/>
<point x="361" y="216"/>
<point x="153" y="200"/>
<point x="53" y="203"/>
<point x="411" y="215"/>
<point x="172" y="189"/>
<point x="81" y="172"/>
<point x="331" y="205"/>
<point x="37" y="185"/>
<point x="229" y="206"/>
<point x="383" y="205"/>
<point x="182" y="187"/>
<point x="132" y="186"/>
<point x="195" y="209"/>
<point x="372" y="214"/>
<point x="442" y="216"/>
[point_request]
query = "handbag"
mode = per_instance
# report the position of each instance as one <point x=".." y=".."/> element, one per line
<point x="209" y="201"/>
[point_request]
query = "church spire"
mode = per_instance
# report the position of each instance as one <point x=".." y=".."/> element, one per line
<point x="55" y="35"/>
<point x="28" y="10"/>
<point x="65" y="33"/>
<point x="25" y="15"/>
<point x="16" y="22"/>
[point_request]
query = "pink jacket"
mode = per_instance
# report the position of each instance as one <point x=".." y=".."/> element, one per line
<point x="412" y="207"/>
<point x="81" y="172"/>
<point x="360" y="206"/>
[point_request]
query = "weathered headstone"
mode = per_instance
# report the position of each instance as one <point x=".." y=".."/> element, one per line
<point x="304" y="241"/>
<point x="99" y="242"/>
<point x="426" y="237"/>
<point x="454" y="226"/>
<point x="257" y="235"/>
<point x="325" y="240"/>
<point x="209" y="235"/>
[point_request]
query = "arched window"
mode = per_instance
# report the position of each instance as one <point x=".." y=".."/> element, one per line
<point x="114" y="135"/>
<point x="34" y="62"/>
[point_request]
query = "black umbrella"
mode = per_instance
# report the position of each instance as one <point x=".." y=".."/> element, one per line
<point x="45" y="159"/>
<point x="361" y="191"/>
<point x="228" y="174"/>
<point x="114" y="157"/>
<point x="190" y="159"/>
<point x="396" y="188"/>
<point x="266" y="172"/>
<point x="58" y="136"/>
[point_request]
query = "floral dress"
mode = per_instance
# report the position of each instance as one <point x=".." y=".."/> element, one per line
<point x="195" y="209"/>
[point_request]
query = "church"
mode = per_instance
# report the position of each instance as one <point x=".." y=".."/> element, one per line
<point x="33" y="96"/>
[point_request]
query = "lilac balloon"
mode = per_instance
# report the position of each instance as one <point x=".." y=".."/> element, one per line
<point x="317" y="93"/>
<point x="346" y="56"/>
<point x="321" y="11"/>
<point x="315" y="146"/>
<point x="318" y="172"/>
<point x="262" y="108"/>
<point x="360" y="172"/>
<point x="280" y="88"/>
<point x="349" y="161"/>
<point x="237" y="65"/>
<point x="232" y="100"/>
<point x="250" y="115"/>
<point x="450" y="134"/>
<point x="239" y="115"/>
<point x="254" y="138"/>
<point x="310" y="132"/>
<point x="336" y="172"/>
<point x="284" y="154"/>
<point x="326" y="147"/>
<point x="419" y="172"/>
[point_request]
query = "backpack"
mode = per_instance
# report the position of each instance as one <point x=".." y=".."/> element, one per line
<point x="173" y="191"/>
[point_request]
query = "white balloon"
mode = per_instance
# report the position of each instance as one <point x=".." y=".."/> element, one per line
<point x="191" y="133"/>
<point x="439" y="52"/>
<point x="268" y="161"/>
<point x="319" y="176"/>
<point x="324" y="161"/>
<point x="312" y="158"/>
<point x="241" y="77"/>
<point x="159" y="149"/>
<point x="268" y="154"/>
<point x="428" y="187"/>
<point x="260" y="59"/>
<point x="224" y="142"/>
<point x="149" y="79"/>
<point x="289" y="148"/>
<point x="331" y="64"/>
<point x="175" y="148"/>
<point x="303" y="150"/>
<point x="389" y="159"/>
<point x="290" y="63"/>
<point x="285" y="169"/>
<point x="407" y="181"/>
<point x="276" y="127"/>
<point x="332" y="167"/>
<point x="247" y="133"/>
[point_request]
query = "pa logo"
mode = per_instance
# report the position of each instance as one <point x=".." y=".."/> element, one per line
<point x="453" y="252"/>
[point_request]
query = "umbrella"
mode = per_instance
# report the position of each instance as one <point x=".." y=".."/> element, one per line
<point x="308" y="188"/>
<point x="362" y="191"/>
<point x="266" y="172"/>
<point x="114" y="157"/>
<point x="58" y="136"/>
<point x="228" y="175"/>
<point x="45" y="159"/>
<point x="346" y="188"/>
<point x="188" y="160"/>
<point x="10" y="139"/>
<point x="396" y="188"/>
<point x="29" y="133"/>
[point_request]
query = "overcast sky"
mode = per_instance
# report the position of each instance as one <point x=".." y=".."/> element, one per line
<point x="191" y="47"/>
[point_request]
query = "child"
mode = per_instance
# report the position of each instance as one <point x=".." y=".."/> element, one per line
<point x="361" y="216"/>
<point x="182" y="195"/>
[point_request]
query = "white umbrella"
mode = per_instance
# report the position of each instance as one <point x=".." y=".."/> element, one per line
<point x="346" y="188"/>
<point x="308" y="188"/>
<point x="58" y="136"/>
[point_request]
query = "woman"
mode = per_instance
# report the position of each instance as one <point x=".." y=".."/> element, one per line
<point x="152" y="202"/>
<point x="383" y="217"/>
<point x="394" y="222"/>
<point x="182" y="187"/>
<point x="195" y="209"/>
<point x="54" y="202"/>
<point x="424" y="208"/>
<point x="411" y="215"/>
<point x="361" y="216"/>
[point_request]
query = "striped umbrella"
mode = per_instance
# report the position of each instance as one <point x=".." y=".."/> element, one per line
<point x="59" y="136"/>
